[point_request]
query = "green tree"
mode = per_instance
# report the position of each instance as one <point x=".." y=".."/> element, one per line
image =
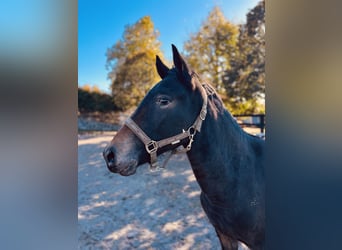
<point x="245" y="79"/>
<point x="209" y="51"/>
<point x="131" y="62"/>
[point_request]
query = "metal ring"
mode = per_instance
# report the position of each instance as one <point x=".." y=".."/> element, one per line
<point x="191" y="130"/>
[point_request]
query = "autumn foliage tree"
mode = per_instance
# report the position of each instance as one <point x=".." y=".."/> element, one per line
<point x="209" y="51"/>
<point x="91" y="99"/>
<point x="131" y="63"/>
<point x="232" y="58"/>
<point x="245" y="79"/>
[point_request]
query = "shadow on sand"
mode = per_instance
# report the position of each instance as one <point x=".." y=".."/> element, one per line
<point x="143" y="211"/>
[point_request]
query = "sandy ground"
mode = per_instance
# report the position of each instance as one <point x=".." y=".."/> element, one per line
<point x="143" y="211"/>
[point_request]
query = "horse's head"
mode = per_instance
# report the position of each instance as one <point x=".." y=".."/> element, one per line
<point x="170" y="106"/>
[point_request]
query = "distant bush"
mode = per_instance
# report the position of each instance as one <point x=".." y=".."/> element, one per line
<point x="248" y="107"/>
<point x="92" y="99"/>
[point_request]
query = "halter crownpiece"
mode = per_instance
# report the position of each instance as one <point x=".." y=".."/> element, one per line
<point x="152" y="146"/>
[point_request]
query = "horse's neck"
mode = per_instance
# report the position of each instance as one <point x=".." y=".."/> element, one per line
<point x="217" y="153"/>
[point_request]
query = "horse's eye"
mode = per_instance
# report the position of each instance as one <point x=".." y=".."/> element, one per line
<point x="163" y="101"/>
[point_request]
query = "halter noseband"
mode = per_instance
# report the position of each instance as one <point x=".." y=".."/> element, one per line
<point x="152" y="146"/>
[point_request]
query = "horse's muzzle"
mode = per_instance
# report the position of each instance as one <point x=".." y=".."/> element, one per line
<point x="123" y="168"/>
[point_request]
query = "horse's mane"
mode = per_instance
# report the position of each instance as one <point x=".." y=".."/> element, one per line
<point x="215" y="103"/>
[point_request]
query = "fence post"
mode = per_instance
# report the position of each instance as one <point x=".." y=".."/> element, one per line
<point x="262" y="123"/>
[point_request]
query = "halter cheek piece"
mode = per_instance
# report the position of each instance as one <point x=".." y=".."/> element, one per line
<point x="152" y="146"/>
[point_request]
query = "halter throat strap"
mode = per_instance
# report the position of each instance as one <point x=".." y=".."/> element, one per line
<point x="152" y="146"/>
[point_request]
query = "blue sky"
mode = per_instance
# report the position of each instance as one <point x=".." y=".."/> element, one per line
<point x="102" y="23"/>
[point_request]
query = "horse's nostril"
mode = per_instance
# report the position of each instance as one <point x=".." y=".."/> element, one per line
<point x="110" y="157"/>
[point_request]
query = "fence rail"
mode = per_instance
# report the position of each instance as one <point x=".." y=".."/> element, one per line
<point x="255" y="121"/>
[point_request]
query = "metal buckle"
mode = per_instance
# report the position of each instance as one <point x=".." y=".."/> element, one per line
<point x="203" y="114"/>
<point x="151" y="147"/>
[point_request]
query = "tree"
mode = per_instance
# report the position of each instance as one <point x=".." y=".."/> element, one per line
<point x="245" y="79"/>
<point x="131" y="62"/>
<point x="210" y="49"/>
<point x="92" y="99"/>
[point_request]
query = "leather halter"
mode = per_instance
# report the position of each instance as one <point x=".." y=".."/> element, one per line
<point x="152" y="146"/>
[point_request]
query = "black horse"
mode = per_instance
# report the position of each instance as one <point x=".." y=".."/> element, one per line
<point x="227" y="162"/>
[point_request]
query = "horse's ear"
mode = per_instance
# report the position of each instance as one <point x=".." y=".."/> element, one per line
<point x="178" y="61"/>
<point x="181" y="66"/>
<point x="161" y="68"/>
